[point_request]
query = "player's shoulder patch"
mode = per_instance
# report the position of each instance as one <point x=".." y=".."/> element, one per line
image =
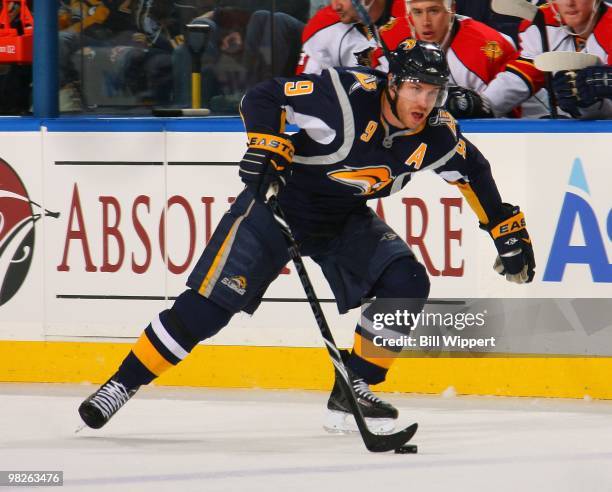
<point x="442" y="118"/>
<point x="360" y="79"/>
<point x="491" y="42"/>
<point x="367" y="81"/>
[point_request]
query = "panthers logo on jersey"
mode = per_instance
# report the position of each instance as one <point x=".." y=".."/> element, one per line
<point x="492" y="50"/>
<point x="369" y="180"/>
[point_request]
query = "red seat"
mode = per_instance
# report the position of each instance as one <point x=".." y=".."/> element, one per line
<point x="15" y="47"/>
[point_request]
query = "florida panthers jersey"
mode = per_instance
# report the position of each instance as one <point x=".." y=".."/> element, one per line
<point x="327" y="42"/>
<point x="346" y="153"/>
<point x="477" y="53"/>
<point x="522" y="79"/>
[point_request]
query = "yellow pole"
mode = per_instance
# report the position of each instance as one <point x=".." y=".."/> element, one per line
<point x="196" y="90"/>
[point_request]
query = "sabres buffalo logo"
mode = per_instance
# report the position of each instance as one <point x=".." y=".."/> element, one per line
<point x="237" y="283"/>
<point x="17" y="232"/>
<point x="369" y="180"/>
<point x="365" y="81"/>
<point x="407" y="44"/>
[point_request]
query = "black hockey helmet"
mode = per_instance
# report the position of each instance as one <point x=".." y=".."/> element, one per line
<point x="420" y="61"/>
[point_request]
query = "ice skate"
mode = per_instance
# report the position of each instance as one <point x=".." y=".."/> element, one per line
<point x="100" y="406"/>
<point x="380" y="415"/>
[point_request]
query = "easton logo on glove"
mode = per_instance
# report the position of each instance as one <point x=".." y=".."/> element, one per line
<point x="509" y="226"/>
<point x="515" y="258"/>
<point x="272" y="143"/>
<point x="266" y="163"/>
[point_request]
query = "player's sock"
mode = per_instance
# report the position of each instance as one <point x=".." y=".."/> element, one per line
<point x="371" y="362"/>
<point x="164" y="343"/>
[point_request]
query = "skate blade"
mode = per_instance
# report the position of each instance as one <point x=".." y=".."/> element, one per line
<point x="344" y="423"/>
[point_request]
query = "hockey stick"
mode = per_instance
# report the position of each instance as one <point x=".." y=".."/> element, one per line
<point x="365" y="18"/>
<point x="555" y="61"/>
<point x="515" y="8"/>
<point x="373" y="442"/>
<point x="525" y="10"/>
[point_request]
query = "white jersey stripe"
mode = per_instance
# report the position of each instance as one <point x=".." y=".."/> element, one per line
<point x="348" y="125"/>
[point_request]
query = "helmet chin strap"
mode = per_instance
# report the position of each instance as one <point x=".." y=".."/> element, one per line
<point x="567" y="28"/>
<point x="367" y="5"/>
<point x="392" y="102"/>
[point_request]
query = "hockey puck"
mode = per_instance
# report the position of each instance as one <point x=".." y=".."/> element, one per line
<point x="407" y="449"/>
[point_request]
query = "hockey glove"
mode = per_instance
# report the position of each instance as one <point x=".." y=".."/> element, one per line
<point x="515" y="257"/>
<point x="593" y="84"/>
<point x="564" y="87"/>
<point x="466" y="103"/>
<point x="265" y="162"/>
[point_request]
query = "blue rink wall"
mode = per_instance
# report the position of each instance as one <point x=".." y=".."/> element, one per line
<point x="103" y="218"/>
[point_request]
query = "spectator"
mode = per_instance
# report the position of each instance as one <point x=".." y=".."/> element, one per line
<point x="336" y="37"/>
<point x="480" y="10"/>
<point x="15" y="79"/>
<point x="146" y="65"/>
<point x="125" y="49"/>
<point x="572" y="25"/>
<point x="87" y="25"/>
<point x="241" y="51"/>
<point x="476" y="53"/>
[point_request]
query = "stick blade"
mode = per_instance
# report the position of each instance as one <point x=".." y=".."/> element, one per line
<point x="554" y="61"/>
<point x="515" y="8"/>
<point x="383" y="443"/>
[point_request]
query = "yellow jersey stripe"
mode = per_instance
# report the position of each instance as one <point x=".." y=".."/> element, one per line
<point x="218" y="263"/>
<point x="473" y="201"/>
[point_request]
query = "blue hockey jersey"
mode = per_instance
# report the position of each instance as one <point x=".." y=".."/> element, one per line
<point x="347" y="154"/>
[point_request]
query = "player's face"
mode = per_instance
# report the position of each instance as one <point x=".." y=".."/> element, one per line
<point x="431" y="20"/>
<point x="415" y="100"/>
<point x="575" y="13"/>
<point x="346" y="11"/>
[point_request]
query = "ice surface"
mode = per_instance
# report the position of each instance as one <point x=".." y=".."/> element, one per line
<point x="249" y="440"/>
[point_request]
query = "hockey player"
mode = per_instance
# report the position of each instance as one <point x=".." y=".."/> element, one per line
<point x="476" y="53"/>
<point x="335" y="36"/>
<point x="363" y="134"/>
<point x="571" y="25"/>
<point x="586" y="92"/>
<point x="590" y="87"/>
